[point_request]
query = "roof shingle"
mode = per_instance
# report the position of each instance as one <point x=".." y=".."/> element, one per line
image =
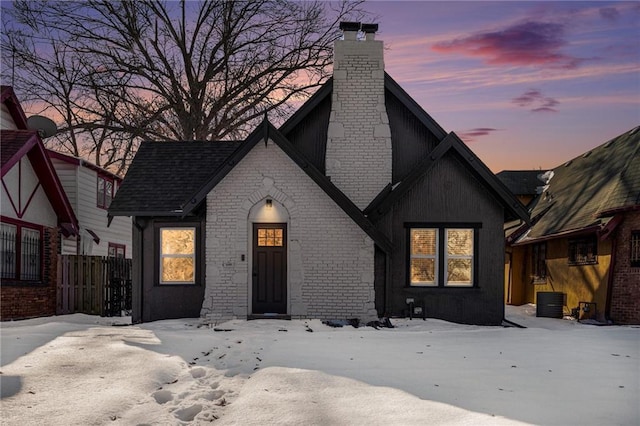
<point x="590" y="187"/>
<point x="164" y="174"/>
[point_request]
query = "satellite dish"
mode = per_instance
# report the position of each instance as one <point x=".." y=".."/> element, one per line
<point x="45" y="126"/>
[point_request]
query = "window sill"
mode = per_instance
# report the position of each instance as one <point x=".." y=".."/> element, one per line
<point x="440" y="288"/>
<point x="539" y="281"/>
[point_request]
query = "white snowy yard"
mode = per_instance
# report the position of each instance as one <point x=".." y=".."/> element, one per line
<point x="82" y="370"/>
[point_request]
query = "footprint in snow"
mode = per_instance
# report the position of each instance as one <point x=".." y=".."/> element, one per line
<point x="189" y="413"/>
<point x="197" y="373"/>
<point x="163" y="396"/>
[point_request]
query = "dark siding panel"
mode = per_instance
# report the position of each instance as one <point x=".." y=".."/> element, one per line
<point x="380" y="271"/>
<point x="168" y="301"/>
<point x="450" y="193"/>
<point x="310" y="135"/>
<point x="411" y="140"/>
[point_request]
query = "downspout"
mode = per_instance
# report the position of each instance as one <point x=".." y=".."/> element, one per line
<point x="509" y="283"/>
<point x="612" y="264"/>
<point x="387" y="284"/>
<point x="137" y="274"/>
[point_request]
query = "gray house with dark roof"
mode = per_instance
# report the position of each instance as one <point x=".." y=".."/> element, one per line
<point x="524" y="184"/>
<point x="359" y="206"/>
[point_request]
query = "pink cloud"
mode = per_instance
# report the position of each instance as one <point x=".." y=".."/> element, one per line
<point x="472" y="135"/>
<point x="536" y="101"/>
<point x="529" y="43"/>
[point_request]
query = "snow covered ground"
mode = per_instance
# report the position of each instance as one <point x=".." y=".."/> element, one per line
<point x="84" y="370"/>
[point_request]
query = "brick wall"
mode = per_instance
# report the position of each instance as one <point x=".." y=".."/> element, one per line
<point x="625" y="296"/>
<point x="20" y="301"/>
<point x="358" y="155"/>
<point x="330" y="259"/>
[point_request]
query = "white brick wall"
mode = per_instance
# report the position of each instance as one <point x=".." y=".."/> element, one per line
<point x="358" y="156"/>
<point x="330" y="259"/>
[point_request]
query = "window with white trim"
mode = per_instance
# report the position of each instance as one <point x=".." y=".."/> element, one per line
<point x="444" y="248"/>
<point x="424" y="265"/>
<point x="459" y="257"/>
<point x="177" y="255"/>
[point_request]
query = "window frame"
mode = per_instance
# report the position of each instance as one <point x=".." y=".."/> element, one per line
<point x="196" y="255"/>
<point x="116" y="247"/>
<point x="17" y="275"/>
<point x="434" y="256"/>
<point x="101" y="192"/>
<point x="442" y="256"/>
<point x="634" y="243"/>
<point x="536" y="265"/>
<point x="575" y="243"/>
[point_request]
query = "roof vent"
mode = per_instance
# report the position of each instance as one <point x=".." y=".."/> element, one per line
<point x="608" y="144"/>
<point x="634" y="131"/>
<point x="586" y="154"/>
<point x="568" y="163"/>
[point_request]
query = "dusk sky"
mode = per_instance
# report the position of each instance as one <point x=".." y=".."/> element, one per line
<point x="526" y="85"/>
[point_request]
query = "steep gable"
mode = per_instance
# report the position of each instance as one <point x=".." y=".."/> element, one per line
<point x="19" y="144"/>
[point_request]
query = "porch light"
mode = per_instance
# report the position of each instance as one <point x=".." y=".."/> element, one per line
<point x="269" y="203"/>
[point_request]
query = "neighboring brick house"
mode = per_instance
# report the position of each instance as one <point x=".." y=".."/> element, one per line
<point x="90" y="190"/>
<point x="359" y="206"/>
<point x="35" y="213"/>
<point x="584" y="238"/>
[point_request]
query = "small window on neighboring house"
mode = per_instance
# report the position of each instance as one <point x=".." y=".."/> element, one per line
<point x="20" y="252"/>
<point x="583" y="251"/>
<point x="449" y="249"/>
<point x="635" y="248"/>
<point x="177" y="255"/>
<point x="539" y="262"/>
<point x="106" y="191"/>
<point x="116" y="250"/>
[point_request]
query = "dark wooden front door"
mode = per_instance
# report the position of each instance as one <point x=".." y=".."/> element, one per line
<point x="269" y="268"/>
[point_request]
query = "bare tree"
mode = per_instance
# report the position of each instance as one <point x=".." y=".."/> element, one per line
<point x="113" y="73"/>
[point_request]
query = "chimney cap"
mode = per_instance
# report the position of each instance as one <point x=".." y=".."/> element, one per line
<point x="369" y="28"/>
<point x="350" y="26"/>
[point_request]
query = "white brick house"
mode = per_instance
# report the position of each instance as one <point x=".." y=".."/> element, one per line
<point x="327" y="217"/>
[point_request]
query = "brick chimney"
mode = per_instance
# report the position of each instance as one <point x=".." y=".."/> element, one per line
<point x="358" y="155"/>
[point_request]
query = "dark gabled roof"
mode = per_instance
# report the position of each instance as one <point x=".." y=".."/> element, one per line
<point x="163" y="175"/>
<point x="588" y="189"/>
<point x="521" y="182"/>
<point x="325" y="90"/>
<point x="15" y="144"/>
<point x="391" y="85"/>
<point x="451" y="143"/>
<point x="267" y="131"/>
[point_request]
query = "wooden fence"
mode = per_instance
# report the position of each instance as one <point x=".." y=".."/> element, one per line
<point x="93" y="285"/>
